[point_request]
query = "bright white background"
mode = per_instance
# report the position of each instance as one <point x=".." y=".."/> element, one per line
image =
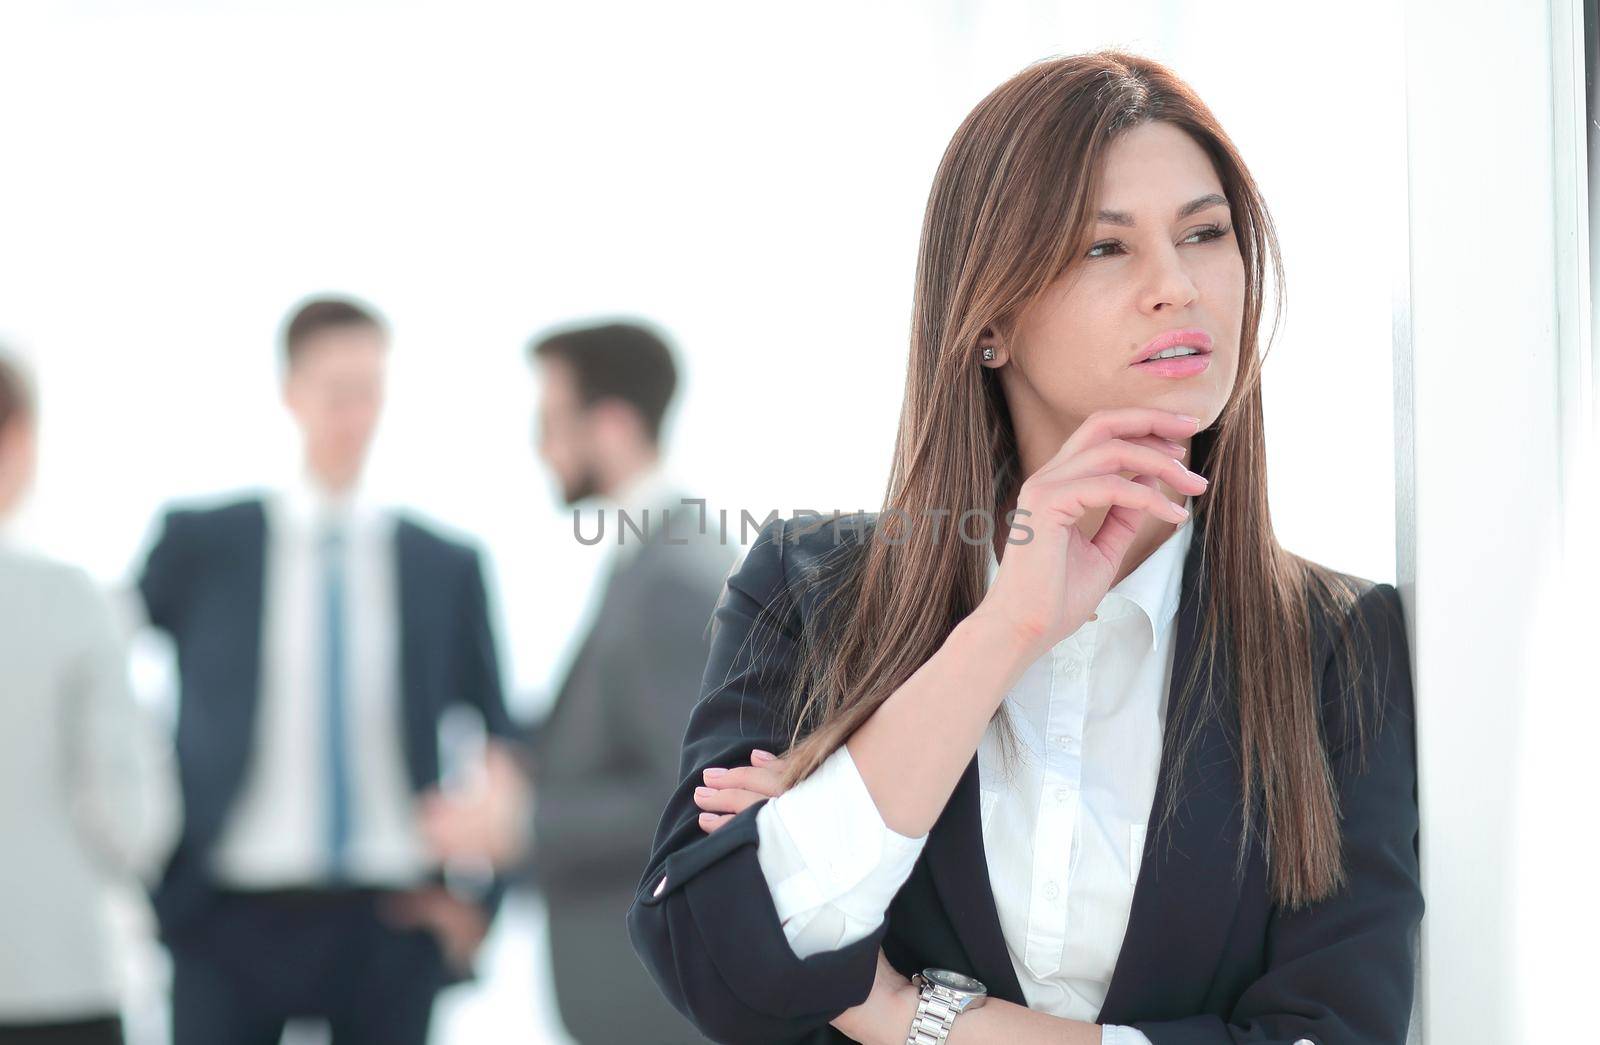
<point x="1497" y="390"/>
<point x="751" y="176"/>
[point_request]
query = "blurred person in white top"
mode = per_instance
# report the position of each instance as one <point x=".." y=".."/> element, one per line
<point x="88" y="796"/>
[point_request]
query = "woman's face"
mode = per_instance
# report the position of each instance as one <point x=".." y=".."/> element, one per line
<point x="1149" y="269"/>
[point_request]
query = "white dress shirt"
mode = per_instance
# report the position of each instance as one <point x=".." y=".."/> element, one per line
<point x="647" y="499"/>
<point x="652" y="489"/>
<point x="275" y="836"/>
<point x="1063" y="829"/>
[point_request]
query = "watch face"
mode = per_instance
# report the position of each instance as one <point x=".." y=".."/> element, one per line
<point x="955" y="981"/>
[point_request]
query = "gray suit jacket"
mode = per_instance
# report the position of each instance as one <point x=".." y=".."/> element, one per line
<point x="605" y="763"/>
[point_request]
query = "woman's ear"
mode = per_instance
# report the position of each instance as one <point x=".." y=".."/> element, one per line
<point x="991" y="348"/>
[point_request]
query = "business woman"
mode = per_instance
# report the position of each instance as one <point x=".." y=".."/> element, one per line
<point x="88" y="789"/>
<point x="1063" y="734"/>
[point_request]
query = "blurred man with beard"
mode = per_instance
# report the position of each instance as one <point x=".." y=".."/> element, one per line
<point x="577" y="818"/>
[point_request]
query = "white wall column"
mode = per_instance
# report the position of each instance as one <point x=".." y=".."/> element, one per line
<point x="1495" y="417"/>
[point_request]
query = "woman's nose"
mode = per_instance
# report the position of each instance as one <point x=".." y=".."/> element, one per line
<point x="1168" y="283"/>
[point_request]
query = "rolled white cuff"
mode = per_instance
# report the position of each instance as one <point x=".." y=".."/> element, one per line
<point x="1115" y="1034"/>
<point x="833" y="866"/>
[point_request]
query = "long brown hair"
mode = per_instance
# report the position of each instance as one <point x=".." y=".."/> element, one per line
<point x="1008" y="213"/>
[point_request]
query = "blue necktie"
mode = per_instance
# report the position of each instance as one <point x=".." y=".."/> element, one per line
<point x="334" y="725"/>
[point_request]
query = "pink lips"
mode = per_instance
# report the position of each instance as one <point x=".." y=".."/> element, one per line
<point x="1180" y="366"/>
<point x="1192" y="337"/>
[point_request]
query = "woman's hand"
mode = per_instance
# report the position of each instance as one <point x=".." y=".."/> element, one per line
<point x="726" y="792"/>
<point x="1050" y="583"/>
<point x="885" y="1017"/>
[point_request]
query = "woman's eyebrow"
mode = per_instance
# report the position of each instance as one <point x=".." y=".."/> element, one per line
<point x="1121" y="217"/>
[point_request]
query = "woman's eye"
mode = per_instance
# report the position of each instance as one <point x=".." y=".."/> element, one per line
<point x="1206" y="235"/>
<point x="1210" y="232"/>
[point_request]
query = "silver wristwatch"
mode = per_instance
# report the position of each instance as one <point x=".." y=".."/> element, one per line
<point x="944" y="996"/>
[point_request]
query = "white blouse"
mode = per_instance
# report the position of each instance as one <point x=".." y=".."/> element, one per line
<point x="1063" y="829"/>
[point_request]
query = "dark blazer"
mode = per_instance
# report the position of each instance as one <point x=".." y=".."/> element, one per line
<point x="605" y="759"/>
<point x="203" y="584"/>
<point x="1206" y="959"/>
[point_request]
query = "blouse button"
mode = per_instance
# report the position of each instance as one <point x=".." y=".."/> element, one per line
<point x="1050" y="891"/>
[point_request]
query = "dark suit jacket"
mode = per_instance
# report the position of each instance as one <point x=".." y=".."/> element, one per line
<point x="203" y="584"/>
<point x="1206" y="959"/>
<point x="605" y="759"/>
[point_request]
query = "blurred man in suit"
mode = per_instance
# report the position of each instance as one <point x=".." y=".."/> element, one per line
<point x="320" y="637"/>
<point x="605" y="758"/>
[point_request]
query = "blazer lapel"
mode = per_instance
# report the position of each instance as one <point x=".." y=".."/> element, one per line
<point x="417" y="629"/>
<point x="231" y="725"/>
<point x="250" y="589"/>
<point x="1186" y="894"/>
<point x="614" y="582"/>
<point x="960" y="870"/>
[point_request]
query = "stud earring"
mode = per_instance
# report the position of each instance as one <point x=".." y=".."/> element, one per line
<point x="988" y="355"/>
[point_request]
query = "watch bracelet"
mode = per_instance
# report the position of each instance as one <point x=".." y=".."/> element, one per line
<point x="934" y="1018"/>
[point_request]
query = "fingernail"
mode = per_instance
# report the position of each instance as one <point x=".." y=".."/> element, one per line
<point x="1177" y="448"/>
<point x="707" y="816"/>
<point x="703" y="792"/>
<point x="715" y="771"/>
<point x="1196" y="421"/>
<point x="759" y="755"/>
